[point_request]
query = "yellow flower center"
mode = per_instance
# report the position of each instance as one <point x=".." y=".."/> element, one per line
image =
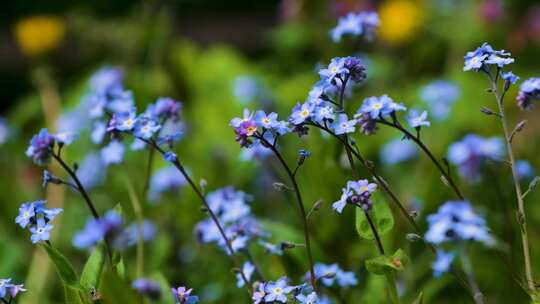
<point x="251" y="129"/>
<point x="304" y="113"/>
<point x="364" y="188"/>
<point x="278" y="290"/>
<point x="377" y="106"/>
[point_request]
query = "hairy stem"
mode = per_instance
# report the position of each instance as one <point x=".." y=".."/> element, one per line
<point x="519" y="195"/>
<point x="301" y="208"/>
<point x="214" y="217"/>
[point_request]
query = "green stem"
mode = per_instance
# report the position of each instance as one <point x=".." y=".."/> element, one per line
<point x="137" y="209"/>
<point x="467" y="267"/>
<point x="392" y="288"/>
<point x="520" y="204"/>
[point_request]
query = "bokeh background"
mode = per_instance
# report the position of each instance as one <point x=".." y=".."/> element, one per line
<point x="218" y="57"/>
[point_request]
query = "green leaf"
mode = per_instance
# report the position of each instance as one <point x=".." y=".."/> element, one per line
<point x="381" y="216"/>
<point x="73" y="295"/>
<point x="384" y="264"/>
<point x="63" y="266"/>
<point x="93" y="268"/>
<point x="419" y="299"/>
<point x="115" y="290"/>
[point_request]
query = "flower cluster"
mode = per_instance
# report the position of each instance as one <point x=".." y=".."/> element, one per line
<point x="357" y="193"/>
<point x="484" y="57"/>
<point x="280" y="291"/>
<point x="38" y="219"/>
<point x="471" y="153"/>
<point x="456" y="221"/>
<point x="165" y="179"/>
<point x="439" y="95"/>
<point x="356" y="24"/>
<point x="147" y="288"/>
<point x="529" y="91"/>
<point x="42" y="145"/>
<point x="182" y="295"/>
<point x="9" y="289"/>
<point x="234" y="214"/>
<point x="111" y="229"/>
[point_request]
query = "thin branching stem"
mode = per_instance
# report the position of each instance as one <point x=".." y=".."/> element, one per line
<point x="521" y="218"/>
<point x="213" y="216"/>
<point x="301" y="207"/>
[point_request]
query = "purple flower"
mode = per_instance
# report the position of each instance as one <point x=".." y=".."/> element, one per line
<point x="41" y="231"/>
<point x="442" y="263"/>
<point x="368" y="125"/>
<point x="417" y="120"/>
<point x="15" y="289"/>
<point x="147" y="288"/>
<point x="237" y="121"/>
<point x="41" y="147"/>
<point x="356" y="193"/>
<point x="113" y="153"/>
<point x="182" y="295"/>
<point x="486" y="55"/>
<point x="277" y="291"/>
<point x="165" y="108"/>
<point x="529" y="91"/>
<point x="343" y="125"/>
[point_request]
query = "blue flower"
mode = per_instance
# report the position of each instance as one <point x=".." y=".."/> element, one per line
<point x="524" y="169"/>
<point x="123" y="121"/>
<point x="41" y="147"/>
<point x="109" y="227"/>
<point x="397" y="151"/>
<point x="170" y="156"/>
<point x="50" y="178"/>
<point x="4" y="131"/>
<point x="442" y="263"/>
<point x="147" y="287"/>
<point x="98" y="132"/>
<point x="343" y="125"/>
<point x="89" y="236"/>
<point x="259" y="294"/>
<point x="417" y="120"/>
<point x="346" y="278"/>
<point x="266" y="121"/>
<point x="165" y="179"/>
<point x="147" y="231"/>
<point x="237" y="121"/>
<point x="246" y="89"/>
<point x="510" y="77"/>
<point x="471" y="153"/>
<point x="165" y="108"/>
<point x="106" y="78"/>
<point x="330" y="274"/>
<point x="377" y="106"/>
<point x="301" y="113"/>
<point x="277" y="291"/>
<point x="91" y="171"/>
<point x="66" y="138"/>
<point x="455" y="221"/>
<point x="146" y="127"/>
<point x="248" y="269"/>
<point x="356" y="24"/>
<point x="113" y="153"/>
<point x="439" y="95"/>
<point x="323" y="113"/>
<point x="182" y="295"/>
<point x="529" y="91"/>
<point x="26" y="214"/>
<point x="486" y="55"/>
<point x="334" y="70"/>
<point x="41" y="231"/>
<point x="4" y="287"/>
<point x="308" y="299"/>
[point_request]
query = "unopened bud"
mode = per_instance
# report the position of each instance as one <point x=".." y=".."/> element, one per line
<point x="413" y="237"/>
<point x="487" y="111"/>
<point x="287" y="245"/>
<point x="534" y="183"/>
<point x="280" y="186"/>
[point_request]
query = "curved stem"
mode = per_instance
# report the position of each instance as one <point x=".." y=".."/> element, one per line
<point x="300" y="207"/>
<point x="521" y="209"/>
<point x="426" y="150"/>
<point x="79" y="185"/>
<point x="214" y="217"/>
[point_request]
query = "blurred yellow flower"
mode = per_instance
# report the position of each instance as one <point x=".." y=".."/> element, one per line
<point x="399" y="20"/>
<point x="39" y="34"/>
